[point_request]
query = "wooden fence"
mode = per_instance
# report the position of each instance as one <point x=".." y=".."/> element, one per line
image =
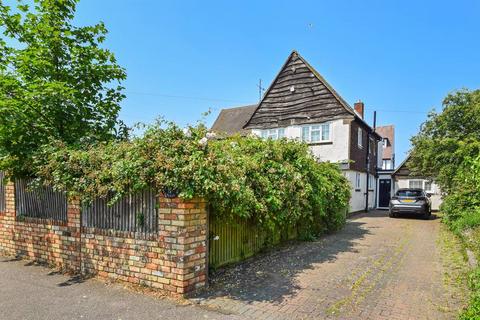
<point x="2" y="192"/>
<point x="234" y="241"/>
<point x="133" y="213"/>
<point x="40" y="203"/>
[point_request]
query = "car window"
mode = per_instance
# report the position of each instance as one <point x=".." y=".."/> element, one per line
<point x="409" y="193"/>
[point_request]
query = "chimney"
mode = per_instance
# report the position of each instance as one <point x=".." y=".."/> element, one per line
<point x="359" y="108"/>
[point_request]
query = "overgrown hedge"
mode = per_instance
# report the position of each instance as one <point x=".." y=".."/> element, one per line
<point x="278" y="183"/>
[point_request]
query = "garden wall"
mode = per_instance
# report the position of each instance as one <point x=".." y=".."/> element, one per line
<point x="172" y="259"/>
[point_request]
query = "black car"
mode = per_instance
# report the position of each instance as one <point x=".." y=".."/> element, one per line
<point x="411" y="200"/>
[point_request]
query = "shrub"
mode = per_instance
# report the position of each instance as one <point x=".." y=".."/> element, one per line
<point x="278" y="183"/>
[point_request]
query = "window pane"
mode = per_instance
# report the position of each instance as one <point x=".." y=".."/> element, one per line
<point x="272" y="133"/>
<point x="305" y="134"/>
<point x="360" y="137"/>
<point x="315" y="135"/>
<point x="281" y="133"/>
<point x="264" y="134"/>
<point x="325" y="132"/>
<point x="415" y="184"/>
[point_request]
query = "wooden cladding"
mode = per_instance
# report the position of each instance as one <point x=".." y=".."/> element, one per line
<point x="298" y="95"/>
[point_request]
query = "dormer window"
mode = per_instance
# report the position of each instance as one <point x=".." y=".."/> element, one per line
<point x="316" y="133"/>
<point x="273" y="134"/>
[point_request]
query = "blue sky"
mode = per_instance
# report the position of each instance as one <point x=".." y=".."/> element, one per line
<point x="185" y="57"/>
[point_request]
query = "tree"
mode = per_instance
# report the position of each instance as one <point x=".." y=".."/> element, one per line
<point x="448" y="139"/>
<point x="56" y="82"/>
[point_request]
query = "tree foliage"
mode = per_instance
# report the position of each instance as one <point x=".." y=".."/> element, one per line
<point x="56" y="82"/>
<point x="448" y="150"/>
<point x="278" y="183"/>
<point x="447" y="139"/>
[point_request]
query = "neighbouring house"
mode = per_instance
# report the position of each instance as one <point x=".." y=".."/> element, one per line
<point x="388" y="146"/>
<point x="301" y="104"/>
<point x="385" y="185"/>
<point x="403" y="178"/>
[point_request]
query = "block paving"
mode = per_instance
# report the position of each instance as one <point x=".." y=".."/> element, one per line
<point x="376" y="268"/>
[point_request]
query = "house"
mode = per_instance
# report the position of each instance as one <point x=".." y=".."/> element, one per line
<point x="388" y="146"/>
<point x="385" y="185"/>
<point x="301" y="104"/>
<point x="403" y="178"/>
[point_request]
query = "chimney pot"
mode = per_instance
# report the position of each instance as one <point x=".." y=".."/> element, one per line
<point x="359" y="108"/>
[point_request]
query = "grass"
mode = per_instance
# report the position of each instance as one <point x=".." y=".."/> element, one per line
<point x="454" y="245"/>
<point x="472" y="241"/>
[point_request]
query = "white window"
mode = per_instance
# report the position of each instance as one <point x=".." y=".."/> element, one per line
<point x="371" y="182"/>
<point x="357" y="180"/>
<point x="386" y="164"/>
<point x="316" y="133"/>
<point x="385" y="142"/>
<point x="273" y="133"/>
<point x="360" y="137"/>
<point x="418" y="184"/>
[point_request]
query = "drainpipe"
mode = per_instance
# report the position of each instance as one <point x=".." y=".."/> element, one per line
<point x="367" y="164"/>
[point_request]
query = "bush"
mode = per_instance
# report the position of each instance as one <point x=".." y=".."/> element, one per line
<point x="278" y="183"/>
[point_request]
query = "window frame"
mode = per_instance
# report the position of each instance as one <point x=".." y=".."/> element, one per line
<point x="384" y="143"/>
<point x="415" y="180"/>
<point x="358" y="181"/>
<point x="273" y="133"/>
<point x="323" y="128"/>
<point x="360" y="137"/>
<point x="387" y="164"/>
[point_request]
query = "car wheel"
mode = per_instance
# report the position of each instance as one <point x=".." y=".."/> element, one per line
<point x="426" y="216"/>
<point x="392" y="215"/>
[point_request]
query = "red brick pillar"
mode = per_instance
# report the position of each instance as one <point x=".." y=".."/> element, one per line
<point x="7" y="221"/>
<point x="183" y="235"/>
<point x="73" y="242"/>
<point x="10" y="199"/>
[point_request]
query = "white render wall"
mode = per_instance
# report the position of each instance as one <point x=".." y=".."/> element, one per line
<point x="336" y="151"/>
<point x="357" y="200"/>
<point x="436" y="196"/>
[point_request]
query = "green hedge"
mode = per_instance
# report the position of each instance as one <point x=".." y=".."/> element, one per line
<point x="276" y="183"/>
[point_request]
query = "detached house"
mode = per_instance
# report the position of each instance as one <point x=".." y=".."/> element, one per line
<point x="301" y="104"/>
<point x="404" y="178"/>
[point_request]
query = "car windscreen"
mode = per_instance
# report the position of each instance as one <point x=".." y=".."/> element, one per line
<point x="409" y="193"/>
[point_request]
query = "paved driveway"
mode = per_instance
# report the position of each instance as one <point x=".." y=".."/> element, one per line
<point x="376" y="268"/>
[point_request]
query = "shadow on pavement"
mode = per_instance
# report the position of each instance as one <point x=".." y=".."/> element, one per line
<point x="272" y="276"/>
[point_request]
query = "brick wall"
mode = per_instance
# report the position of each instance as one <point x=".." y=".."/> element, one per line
<point x="173" y="260"/>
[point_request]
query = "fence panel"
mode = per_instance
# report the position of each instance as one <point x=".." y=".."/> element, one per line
<point x="133" y="213"/>
<point x="238" y="239"/>
<point x="41" y="203"/>
<point x="2" y="192"/>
